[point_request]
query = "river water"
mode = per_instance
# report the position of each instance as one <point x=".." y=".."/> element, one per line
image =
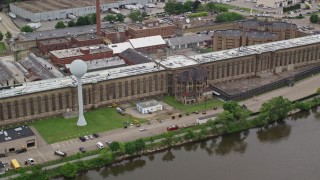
<point x="287" y="151"/>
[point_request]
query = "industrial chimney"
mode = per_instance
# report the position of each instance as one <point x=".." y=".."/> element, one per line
<point x="98" y="17"/>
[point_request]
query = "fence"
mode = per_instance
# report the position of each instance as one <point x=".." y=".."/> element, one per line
<point x="289" y="81"/>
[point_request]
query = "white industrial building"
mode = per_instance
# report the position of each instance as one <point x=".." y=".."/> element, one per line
<point x="149" y="106"/>
<point x="45" y="10"/>
<point x="205" y="119"/>
<point x="277" y="3"/>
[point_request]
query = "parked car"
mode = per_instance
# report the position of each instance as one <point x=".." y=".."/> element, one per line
<point x="31" y="161"/>
<point x="82" y="149"/>
<point x="60" y="153"/>
<point x="86" y="137"/>
<point x="2" y="155"/>
<point x="95" y="135"/>
<point x="22" y="150"/>
<point x="173" y="128"/>
<point x="90" y="137"/>
<point x="82" y="139"/>
<point x="100" y="145"/>
<point x="108" y="142"/>
<point x="143" y="129"/>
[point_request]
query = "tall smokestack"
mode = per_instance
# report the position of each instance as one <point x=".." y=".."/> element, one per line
<point x="98" y="17"/>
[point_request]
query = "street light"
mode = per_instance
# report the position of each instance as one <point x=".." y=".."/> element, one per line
<point x="78" y="68"/>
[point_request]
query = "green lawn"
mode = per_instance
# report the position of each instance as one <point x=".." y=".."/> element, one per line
<point x="192" y="107"/>
<point x="58" y="129"/>
<point x="2" y="47"/>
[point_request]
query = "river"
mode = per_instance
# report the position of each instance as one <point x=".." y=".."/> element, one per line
<point x="287" y="151"/>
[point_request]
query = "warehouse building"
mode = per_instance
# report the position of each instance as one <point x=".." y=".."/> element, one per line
<point x="15" y="139"/>
<point x="277" y="3"/>
<point x="149" y="107"/>
<point x="46" y="10"/>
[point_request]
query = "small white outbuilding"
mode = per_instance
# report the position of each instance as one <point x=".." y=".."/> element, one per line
<point x="149" y="106"/>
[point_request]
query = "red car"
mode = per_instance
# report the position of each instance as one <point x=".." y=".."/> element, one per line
<point x="173" y="128"/>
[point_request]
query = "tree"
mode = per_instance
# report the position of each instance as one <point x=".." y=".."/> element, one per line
<point x="8" y="35"/>
<point x="60" y="24"/>
<point x="314" y="18"/>
<point x="188" y="6"/>
<point x="230" y="106"/>
<point x="275" y="109"/>
<point x="229" y="16"/>
<point x="110" y="17"/>
<point x="26" y="28"/>
<point x="225" y="118"/>
<point x="130" y="148"/>
<point x="114" y="146"/>
<point x="81" y="21"/>
<point x="170" y="7"/>
<point x="93" y="18"/>
<point x="88" y="20"/>
<point x="139" y="144"/>
<point x="196" y="4"/>
<point x="68" y="170"/>
<point x="71" y="23"/>
<point x="1" y="36"/>
<point x="120" y="17"/>
<point x="106" y="156"/>
<point x="318" y="91"/>
<point x="135" y="16"/>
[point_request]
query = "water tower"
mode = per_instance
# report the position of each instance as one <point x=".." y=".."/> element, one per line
<point x="78" y="68"/>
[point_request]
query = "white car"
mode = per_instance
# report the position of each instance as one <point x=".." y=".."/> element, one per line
<point x="31" y="161"/>
<point x="86" y="137"/>
<point x="100" y="145"/>
<point x="143" y="129"/>
<point x="90" y="137"/>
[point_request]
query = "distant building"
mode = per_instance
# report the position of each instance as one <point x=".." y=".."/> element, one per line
<point x="283" y="29"/>
<point x="149" y="107"/>
<point x="115" y="33"/>
<point x="47" y="45"/>
<point x="189" y="41"/>
<point x="277" y="3"/>
<point x="132" y="57"/>
<point x="151" y="27"/>
<point x="86" y="40"/>
<point x="151" y="43"/>
<point x="17" y="138"/>
<point x="86" y="53"/>
<point x="229" y="39"/>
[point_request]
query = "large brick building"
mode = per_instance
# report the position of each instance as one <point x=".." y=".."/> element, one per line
<point x="47" y="45"/>
<point x="57" y="96"/>
<point x="150" y="27"/>
<point x="87" y="53"/>
<point x="229" y="39"/>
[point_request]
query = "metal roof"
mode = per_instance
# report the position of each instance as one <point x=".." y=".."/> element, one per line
<point x="70" y="81"/>
<point x="147" y="41"/>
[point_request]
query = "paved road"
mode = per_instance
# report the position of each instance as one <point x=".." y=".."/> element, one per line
<point x="7" y="25"/>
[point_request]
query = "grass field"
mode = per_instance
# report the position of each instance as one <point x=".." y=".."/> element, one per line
<point x="192" y="107"/>
<point x="2" y="47"/>
<point x="58" y="129"/>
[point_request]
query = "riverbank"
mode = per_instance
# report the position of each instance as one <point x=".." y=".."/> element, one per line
<point x="161" y="142"/>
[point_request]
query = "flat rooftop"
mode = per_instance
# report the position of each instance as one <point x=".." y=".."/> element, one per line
<point x="54" y="41"/>
<point x="84" y="37"/>
<point x="255" y="49"/>
<point x="91" y="77"/>
<point x="176" y="41"/>
<point x="177" y="61"/>
<point x="147" y="41"/>
<point x="120" y="47"/>
<point x="15" y="133"/>
<point x="106" y="63"/>
<point x="37" y="6"/>
<point x="65" y="53"/>
<point x="58" y="33"/>
<point x="150" y="103"/>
